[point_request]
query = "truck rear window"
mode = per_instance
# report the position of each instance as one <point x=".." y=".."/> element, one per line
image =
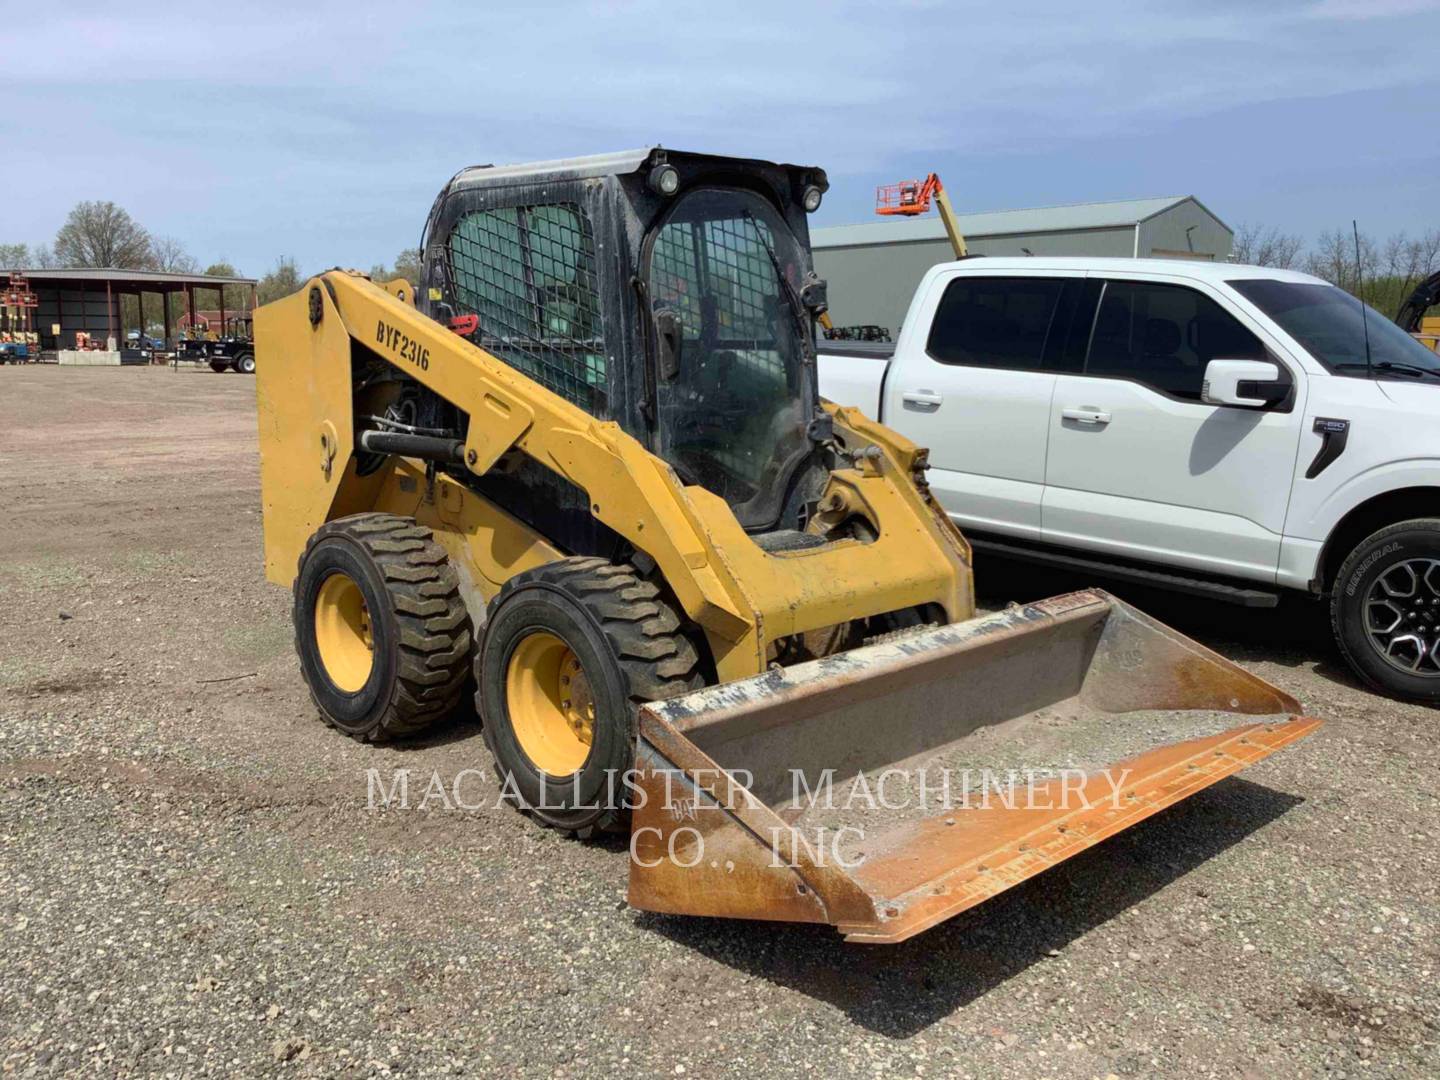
<point x="995" y="322"/>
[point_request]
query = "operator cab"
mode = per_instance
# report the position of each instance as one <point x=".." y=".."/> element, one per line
<point x="670" y="292"/>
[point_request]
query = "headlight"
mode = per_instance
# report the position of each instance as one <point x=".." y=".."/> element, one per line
<point x="664" y="180"/>
<point x="810" y="199"/>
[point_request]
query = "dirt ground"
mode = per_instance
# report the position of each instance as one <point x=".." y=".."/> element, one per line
<point x="191" y="881"/>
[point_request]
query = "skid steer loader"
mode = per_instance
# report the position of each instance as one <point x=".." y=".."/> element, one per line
<point x="585" y="466"/>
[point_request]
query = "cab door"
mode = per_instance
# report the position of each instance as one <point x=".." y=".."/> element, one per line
<point x="1139" y="466"/>
<point x="976" y="390"/>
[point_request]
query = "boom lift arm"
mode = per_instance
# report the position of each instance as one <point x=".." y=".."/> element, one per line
<point x="911" y="198"/>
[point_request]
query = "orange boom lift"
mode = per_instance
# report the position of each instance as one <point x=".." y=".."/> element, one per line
<point x="911" y="198"/>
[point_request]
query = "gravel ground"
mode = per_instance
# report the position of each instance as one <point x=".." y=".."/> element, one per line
<point x="191" y="882"/>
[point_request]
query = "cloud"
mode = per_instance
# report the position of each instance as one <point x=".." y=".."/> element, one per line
<point x="1371" y="9"/>
<point x="274" y="123"/>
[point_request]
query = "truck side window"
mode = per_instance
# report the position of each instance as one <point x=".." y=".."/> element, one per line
<point x="1162" y="336"/>
<point x="995" y="322"/>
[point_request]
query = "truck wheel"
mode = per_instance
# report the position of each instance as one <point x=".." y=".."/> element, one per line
<point x="570" y="650"/>
<point x="218" y="366"/>
<point x="1385" y="610"/>
<point x="383" y="636"/>
<point x="245" y="364"/>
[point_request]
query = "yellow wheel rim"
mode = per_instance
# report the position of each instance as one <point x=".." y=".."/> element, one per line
<point x="342" y="633"/>
<point x="551" y="707"/>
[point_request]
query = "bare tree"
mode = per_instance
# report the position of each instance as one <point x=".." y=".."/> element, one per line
<point x="99" y="234"/>
<point x="43" y="258"/>
<point x="1333" y="258"/>
<point x="1258" y="245"/>
<point x="167" y="253"/>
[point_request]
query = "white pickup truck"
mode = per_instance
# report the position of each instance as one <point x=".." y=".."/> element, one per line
<point x="1226" y="430"/>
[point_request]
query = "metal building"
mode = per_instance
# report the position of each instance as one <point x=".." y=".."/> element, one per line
<point x="88" y="301"/>
<point x="873" y="268"/>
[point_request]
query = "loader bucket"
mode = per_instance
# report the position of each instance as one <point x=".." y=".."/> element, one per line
<point x="886" y="789"/>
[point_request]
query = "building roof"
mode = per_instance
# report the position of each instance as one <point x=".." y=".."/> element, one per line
<point x="1124" y="213"/>
<point x="131" y="277"/>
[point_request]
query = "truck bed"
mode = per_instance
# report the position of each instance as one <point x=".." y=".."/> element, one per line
<point x="853" y="373"/>
<point x="878" y="350"/>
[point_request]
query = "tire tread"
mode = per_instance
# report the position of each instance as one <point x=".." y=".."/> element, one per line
<point x="433" y="639"/>
<point x="645" y="634"/>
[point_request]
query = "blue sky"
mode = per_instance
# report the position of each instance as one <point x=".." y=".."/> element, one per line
<point x="323" y="130"/>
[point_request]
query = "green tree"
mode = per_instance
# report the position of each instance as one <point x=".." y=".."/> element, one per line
<point x="237" y="297"/>
<point x="280" y="282"/>
<point x="14" y="256"/>
<point x="100" y="234"/>
<point x="407" y="266"/>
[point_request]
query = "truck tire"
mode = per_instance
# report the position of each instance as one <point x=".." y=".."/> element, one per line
<point x="382" y="633"/>
<point x="219" y="366"/>
<point x="570" y="651"/>
<point x="245" y="364"/>
<point x="1385" y="610"/>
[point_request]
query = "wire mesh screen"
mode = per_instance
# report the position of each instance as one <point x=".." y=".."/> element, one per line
<point x="528" y="272"/>
<point x="712" y="265"/>
<point x="724" y="260"/>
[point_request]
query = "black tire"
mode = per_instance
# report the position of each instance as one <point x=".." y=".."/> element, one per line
<point x="421" y="629"/>
<point x="1392" y="573"/>
<point x="219" y="366"/>
<point x="632" y="645"/>
<point x="245" y="364"/>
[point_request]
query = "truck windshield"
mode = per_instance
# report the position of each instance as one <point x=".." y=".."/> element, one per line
<point x="1327" y="321"/>
<point x="733" y="417"/>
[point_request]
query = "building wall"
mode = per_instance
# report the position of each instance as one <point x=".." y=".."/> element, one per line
<point x="1165" y="236"/>
<point x="872" y="284"/>
<point x="74" y="309"/>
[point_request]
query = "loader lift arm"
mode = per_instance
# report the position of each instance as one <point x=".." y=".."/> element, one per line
<point x="742" y="597"/>
<point x="1412" y="312"/>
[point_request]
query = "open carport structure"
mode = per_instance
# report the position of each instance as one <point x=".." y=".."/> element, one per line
<point x="72" y="301"/>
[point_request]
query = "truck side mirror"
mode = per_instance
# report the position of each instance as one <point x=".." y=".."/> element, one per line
<point x="669" y="338"/>
<point x="1254" y="384"/>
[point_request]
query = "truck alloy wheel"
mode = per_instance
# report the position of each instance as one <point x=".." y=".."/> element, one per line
<point x="1402" y="615"/>
<point x="1385" y="610"/>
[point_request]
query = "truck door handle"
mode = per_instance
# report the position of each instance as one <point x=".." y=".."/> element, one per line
<point x="922" y="399"/>
<point x="1093" y="417"/>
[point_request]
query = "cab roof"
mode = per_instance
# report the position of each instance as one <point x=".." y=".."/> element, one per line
<point x="1196" y="269"/>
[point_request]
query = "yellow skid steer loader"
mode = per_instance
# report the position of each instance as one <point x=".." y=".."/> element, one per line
<point x="585" y="464"/>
